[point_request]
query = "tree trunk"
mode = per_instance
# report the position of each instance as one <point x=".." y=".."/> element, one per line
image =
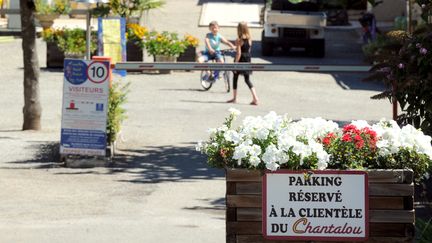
<point x="32" y="108"/>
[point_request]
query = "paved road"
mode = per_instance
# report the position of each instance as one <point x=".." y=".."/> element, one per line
<point x="160" y="189"/>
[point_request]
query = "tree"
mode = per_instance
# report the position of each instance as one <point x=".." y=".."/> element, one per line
<point x="32" y="110"/>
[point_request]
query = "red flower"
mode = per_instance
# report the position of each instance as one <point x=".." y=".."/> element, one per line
<point x="328" y="139"/>
<point x="222" y="153"/>
<point x="346" y="138"/>
<point x="350" y="128"/>
<point x="359" y="144"/>
<point x="358" y="138"/>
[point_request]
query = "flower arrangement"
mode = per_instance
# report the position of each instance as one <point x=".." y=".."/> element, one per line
<point x="191" y="40"/>
<point x="57" y="7"/>
<point x="127" y="8"/>
<point x="70" y="41"/>
<point x="273" y="142"/>
<point x="164" y="43"/>
<point x="136" y="34"/>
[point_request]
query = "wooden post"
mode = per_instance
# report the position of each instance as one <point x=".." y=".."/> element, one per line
<point x="394" y="100"/>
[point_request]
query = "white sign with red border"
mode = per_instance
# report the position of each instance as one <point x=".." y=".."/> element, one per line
<point x="316" y="205"/>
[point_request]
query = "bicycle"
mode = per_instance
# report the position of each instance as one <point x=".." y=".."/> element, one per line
<point x="209" y="77"/>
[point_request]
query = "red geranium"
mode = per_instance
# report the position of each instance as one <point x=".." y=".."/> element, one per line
<point x="353" y="146"/>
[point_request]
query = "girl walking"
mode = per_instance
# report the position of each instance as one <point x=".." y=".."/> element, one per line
<point x="243" y="49"/>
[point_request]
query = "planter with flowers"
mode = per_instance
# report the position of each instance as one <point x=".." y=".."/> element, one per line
<point x="189" y="55"/>
<point x="164" y="46"/>
<point x="63" y="43"/>
<point x="392" y="156"/>
<point x="47" y="12"/>
<point x="135" y="42"/>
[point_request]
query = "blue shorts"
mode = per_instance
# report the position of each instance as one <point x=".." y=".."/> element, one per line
<point x="216" y="56"/>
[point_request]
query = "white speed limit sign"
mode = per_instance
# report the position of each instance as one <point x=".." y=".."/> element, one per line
<point x="98" y="72"/>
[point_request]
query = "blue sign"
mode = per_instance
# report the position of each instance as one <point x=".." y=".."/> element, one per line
<point x="75" y="71"/>
<point x="83" y="139"/>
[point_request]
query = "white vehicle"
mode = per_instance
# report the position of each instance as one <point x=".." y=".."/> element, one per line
<point x="288" y="24"/>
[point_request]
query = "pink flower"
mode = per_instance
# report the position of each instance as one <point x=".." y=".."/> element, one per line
<point x="401" y="66"/>
<point x="423" y="51"/>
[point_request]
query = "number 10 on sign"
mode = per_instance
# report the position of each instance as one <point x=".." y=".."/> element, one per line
<point x="97" y="72"/>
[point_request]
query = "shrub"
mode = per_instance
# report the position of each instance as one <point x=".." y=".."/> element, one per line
<point x="116" y="112"/>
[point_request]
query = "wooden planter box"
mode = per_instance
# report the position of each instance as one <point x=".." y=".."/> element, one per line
<point x="391" y="211"/>
<point x="188" y="56"/>
<point x="134" y="53"/>
<point x="55" y="56"/>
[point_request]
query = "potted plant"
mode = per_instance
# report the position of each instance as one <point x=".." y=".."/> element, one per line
<point x="47" y="12"/>
<point x="273" y="142"/>
<point x="129" y="9"/>
<point x="189" y="55"/>
<point x="63" y="43"/>
<point x="164" y="46"/>
<point x="135" y="35"/>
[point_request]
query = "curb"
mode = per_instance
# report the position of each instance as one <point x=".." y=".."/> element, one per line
<point x="6" y="39"/>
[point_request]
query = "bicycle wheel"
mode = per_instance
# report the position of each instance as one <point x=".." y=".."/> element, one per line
<point x="205" y="82"/>
<point x="227" y="80"/>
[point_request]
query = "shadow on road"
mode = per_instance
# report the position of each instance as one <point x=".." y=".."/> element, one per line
<point x="156" y="164"/>
<point x="354" y="81"/>
<point x="46" y="156"/>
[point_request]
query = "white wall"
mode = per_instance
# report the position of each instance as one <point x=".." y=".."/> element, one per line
<point x="389" y="9"/>
<point x="14" y="20"/>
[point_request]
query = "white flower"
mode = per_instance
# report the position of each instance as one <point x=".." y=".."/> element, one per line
<point x="360" y="124"/>
<point x="269" y="155"/>
<point x="272" y="166"/>
<point x="223" y="128"/>
<point x="282" y="157"/>
<point x="234" y="111"/>
<point x="262" y="133"/>
<point x="241" y="152"/>
<point x="254" y="161"/>
<point x="255" y="151"/>
<point x="232" y="136"/>
<point x="212" y="132"/>
<point x="200" y="146"/>
<point x="322" y="165"/>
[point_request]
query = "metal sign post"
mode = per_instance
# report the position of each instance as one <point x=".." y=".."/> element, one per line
<point x="88" y="22"/>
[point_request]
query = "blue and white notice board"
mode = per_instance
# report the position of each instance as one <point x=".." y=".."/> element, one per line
<point x="85" y="105"/>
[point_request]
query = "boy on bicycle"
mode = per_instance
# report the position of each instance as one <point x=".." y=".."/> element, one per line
<point x="212" y="46"/>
